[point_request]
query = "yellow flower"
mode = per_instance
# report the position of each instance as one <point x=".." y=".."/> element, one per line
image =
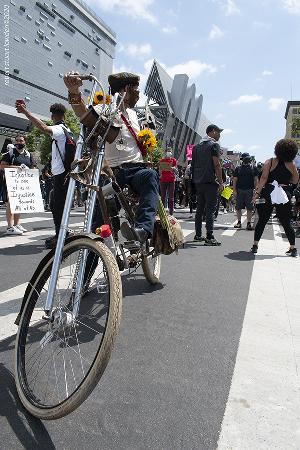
<point x="108" y="99"/>
<point x="147" y="138"/>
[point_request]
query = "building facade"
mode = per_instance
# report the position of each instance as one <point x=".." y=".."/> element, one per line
<point x="176" y="108"/>
<point x="292" y="117"/>
<point x="46" y="40"/>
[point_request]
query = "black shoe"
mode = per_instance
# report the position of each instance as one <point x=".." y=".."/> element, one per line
<point x="292" y="252"/>
<point x="254" y="248"/>
<point x="134" y="234"/>
<point x="212" y="242"/>
<point x="249" y="226"/>
<point x="199" y="238"/>
<point x="51" y="242"/>
<point x="238" y="225"/>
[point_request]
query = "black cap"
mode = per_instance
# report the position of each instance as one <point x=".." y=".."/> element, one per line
<point x="213" y="127"/>
<point x="118" y="81"/>
<point x="245" y="155"/>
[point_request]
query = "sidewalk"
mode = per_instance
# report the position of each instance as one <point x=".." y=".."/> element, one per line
<point x="263" y="408"/>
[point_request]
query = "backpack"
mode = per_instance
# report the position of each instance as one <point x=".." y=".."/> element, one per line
<point x="70" y="149"/>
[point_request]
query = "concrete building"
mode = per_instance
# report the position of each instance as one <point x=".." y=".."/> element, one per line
<point x="46" y="40"/>
<point x="292" y="117"/>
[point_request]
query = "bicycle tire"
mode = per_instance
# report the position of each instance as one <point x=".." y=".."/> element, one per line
<point x="102" y="354"/>
<point x="152" y="274"/>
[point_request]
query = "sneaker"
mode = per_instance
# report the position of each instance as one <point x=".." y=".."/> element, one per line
<point x="249" y="226"/>
<point x="212" y="242"/>
<point x="254" y="248"/>
<point x="14" y="231"/>
<point x="199" y="238"/>
<point x="238" y="225"/>
<point x="20" y="228"/>
<point x="292" y="252"/>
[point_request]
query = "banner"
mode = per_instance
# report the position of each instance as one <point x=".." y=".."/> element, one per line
<point x="189" y="151"/>
<point x="24" y="192"/>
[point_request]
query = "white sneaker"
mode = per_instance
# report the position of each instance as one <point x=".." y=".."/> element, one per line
<point x="14" y="231"/>
<point x="20" y="228"/>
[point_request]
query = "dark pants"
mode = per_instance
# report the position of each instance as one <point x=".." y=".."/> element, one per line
<point x="60" y="188"/>
<point x="207" y="198"/>
<point x="283" y="212"/>
<point x="167" y="191"/>
<point x="145" y="182"/>
<point x="48" y="188"/>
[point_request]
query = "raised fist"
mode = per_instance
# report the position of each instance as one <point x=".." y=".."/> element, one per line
<point x="72" y="82"/>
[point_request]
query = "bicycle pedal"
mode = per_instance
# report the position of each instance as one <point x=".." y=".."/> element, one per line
<point x="132" y="245"/>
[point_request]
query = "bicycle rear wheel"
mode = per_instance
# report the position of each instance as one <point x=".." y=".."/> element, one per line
<point x="60" y="361"/>
<point x="151" y="265"/>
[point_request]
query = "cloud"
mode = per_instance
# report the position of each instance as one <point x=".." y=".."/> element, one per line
<point x="227" y="131"/>
<point x="238" y="147"/>
<point x="231" y="8"/>
<point x="252" y="148"/>
<point x="215" y="33"/>
<point x="193" y="68"/>
<point x="137" y="51"/>
<point x="133" y="8"/>
<point x="246" y="99"/>
<point x="261" y="25"/>
<point x="267" y="73"/>
<point x="292" y="6"/>
<point x="168" y="29"/>
<point x="275" y="103"/>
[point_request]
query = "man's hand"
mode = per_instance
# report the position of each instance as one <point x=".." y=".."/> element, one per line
<point x="23" y="167"/>
<point x="20" y="107"/>
<point x="72" y="82"/>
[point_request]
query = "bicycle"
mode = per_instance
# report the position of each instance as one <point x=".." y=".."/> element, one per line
<point x="71" y="310"/>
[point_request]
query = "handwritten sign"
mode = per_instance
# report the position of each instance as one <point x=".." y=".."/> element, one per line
<point x="24" y="192"/>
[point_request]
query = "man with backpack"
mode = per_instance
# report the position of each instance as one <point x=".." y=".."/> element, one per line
<point x="63" y="151"/>
<point x="17" y="156"/>
<point x="245" y="178"/>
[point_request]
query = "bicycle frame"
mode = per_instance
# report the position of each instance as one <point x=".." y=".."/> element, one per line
<point x="66" y="215"/>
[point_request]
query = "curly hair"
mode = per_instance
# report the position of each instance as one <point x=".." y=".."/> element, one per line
<point x="58" y="108"/>
<point x="286" y="150"/>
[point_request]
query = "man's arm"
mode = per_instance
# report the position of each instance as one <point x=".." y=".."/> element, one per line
<point x="218" y="170"/>
<point x="234" y="181"/>
<point x="73" y="84"/>
<point x="21" y="108"/>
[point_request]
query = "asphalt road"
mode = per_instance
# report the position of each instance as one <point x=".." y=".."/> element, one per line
<point x="168" y="380"/>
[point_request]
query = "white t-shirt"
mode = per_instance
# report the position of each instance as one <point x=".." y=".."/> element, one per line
<point x="57" y="166"/>
<point x="124" y="148"/>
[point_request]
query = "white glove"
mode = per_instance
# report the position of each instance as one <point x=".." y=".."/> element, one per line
<point x="23" y="167"/>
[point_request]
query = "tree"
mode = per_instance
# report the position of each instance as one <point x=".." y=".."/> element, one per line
<point x="37" y="141"/>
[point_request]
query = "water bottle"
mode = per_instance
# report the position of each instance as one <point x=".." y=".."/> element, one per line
<point x="105" y="232"/>
<point x="260" y="201"/>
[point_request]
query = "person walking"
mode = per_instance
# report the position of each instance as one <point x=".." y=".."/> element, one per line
<point x="16" y="157"/>
<point x="167" y="168"/>
<point x="59" y="133"/>
<point x="245" y="179"/>
<point x="207" y="178"/>
<point x="273" y="190"/>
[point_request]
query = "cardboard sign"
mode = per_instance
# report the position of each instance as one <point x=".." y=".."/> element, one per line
<point x="189" y="151"/>
<point x="24" y="192"/>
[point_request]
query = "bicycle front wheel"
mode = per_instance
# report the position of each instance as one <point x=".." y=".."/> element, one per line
<point x="60" y="359"/>
<point x="151" y="265"/>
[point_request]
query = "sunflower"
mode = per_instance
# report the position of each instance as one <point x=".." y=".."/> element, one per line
<point x="147" y="138"/>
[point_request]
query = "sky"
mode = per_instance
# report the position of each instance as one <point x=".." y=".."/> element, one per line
<point x="242" y="55"/>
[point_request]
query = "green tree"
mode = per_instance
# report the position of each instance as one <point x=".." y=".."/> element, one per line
<point x="157" y="154"/>
<point x="40" y="142"/>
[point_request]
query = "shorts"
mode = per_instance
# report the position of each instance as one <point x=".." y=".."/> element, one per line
<point x="244" y="199"/>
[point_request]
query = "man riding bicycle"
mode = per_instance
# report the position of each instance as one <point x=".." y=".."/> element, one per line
<point x="123" y="153"/>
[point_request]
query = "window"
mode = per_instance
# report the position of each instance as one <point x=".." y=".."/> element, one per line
<point x="46" y="4"/>
<point x="93" y="66"/>
<point x="28" y="17"/>
<point x="71" y="17"/>
<point x="68" y="54"/>
<point x="12" y="2"/>
<point x="60" y="75"/>
<point x="45" y="9"/>
<point x="62" y="22"/>
<point x="16" y="71"/>
<point x="54" y="5"/>
<point x="23" y="40"/>
<point x="47" y="47"/>
<point x="36" y="41"/>
<point x="50" y="63"/>
<point x="37" y="23"/>
<point x="22" y="8"/>
<point x="52" y="33"/>
<point x="47" y="39"/>
<point x="59" y="44"/>
<point x="85" y="64"/>
<point x="51" y="26"/>
<point x="87" y="91"/>
<point x="44" y="16"/>
<point x="17" y="38"/>
<point x="42" y="20"/>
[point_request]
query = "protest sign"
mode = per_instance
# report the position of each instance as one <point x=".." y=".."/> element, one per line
<point x="189" y="151"/>
<point x="24" y="192"/>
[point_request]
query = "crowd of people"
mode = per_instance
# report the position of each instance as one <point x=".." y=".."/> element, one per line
<point x="202" y="184"/>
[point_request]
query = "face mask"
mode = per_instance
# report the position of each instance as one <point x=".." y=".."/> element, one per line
<point x="20" y="146"/>
<point x="169" y="154"/>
